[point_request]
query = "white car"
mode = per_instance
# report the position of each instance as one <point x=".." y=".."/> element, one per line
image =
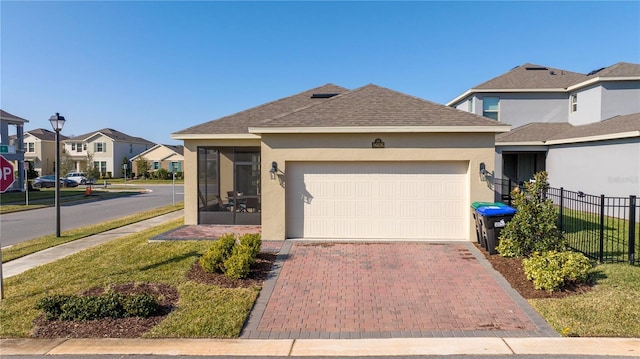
<point x="78" y="177"/>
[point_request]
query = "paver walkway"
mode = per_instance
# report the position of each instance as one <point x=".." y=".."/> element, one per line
<point x="374" y="290"/>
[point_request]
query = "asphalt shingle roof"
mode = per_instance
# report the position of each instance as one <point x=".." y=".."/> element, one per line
<point x="531" y="76"/>
<point x="373" y="105"/>
<point x="560" y="131"/>
<point x="45" y="135"/>
<point x="238" y="123"/>
<point x="10" y="117"/>
<point x="113" y="134"/>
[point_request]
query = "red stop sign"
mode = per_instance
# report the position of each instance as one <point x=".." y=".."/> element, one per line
<point x="6" y="174"/>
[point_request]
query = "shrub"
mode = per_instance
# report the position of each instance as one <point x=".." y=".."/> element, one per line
<point x="253" y="242"/>
<point x="213" y="259"/>
<point x="109" y="305"/>
<point x="553" y="270"/>
<point x="238" y="265"/>
<point x="533" y="228"/>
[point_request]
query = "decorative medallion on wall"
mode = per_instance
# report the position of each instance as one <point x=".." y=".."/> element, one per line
<point x="377" y="143"/>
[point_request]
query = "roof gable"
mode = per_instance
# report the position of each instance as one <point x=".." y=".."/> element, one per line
<point x="375" y="106"/>
<point x="6" y="116"/>
<point x="239" y="123"/>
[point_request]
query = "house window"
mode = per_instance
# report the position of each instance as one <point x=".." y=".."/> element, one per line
<point x="84" y="147"/>
<point x="574" y="103"/>
<point x="174" y="166"/>
<point x="31" y="147"/>
<point x="490" y="107"/>
<point x="100" y="147"/>
<point x="155" y="165"/>
<point x="73" y="146"/>
<point x="79" y="147"/>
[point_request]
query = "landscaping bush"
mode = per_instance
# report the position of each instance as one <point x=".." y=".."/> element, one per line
<point x="533" y="227"/>
<point x="553" y="270"/>
<point x="109" y="305"/>
<point x="213" y="259"/>
<point x="232" y="256"/>
<point x="238" y="265"/>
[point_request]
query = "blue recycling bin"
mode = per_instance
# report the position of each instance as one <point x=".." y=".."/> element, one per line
<point x="476" y="218"/>
<point x="492" y="220"/>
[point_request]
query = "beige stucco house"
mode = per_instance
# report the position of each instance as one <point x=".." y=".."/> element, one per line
<point x="333" y="163"/>
<point x="168" y="157"/>
<point x="40" y="150"/>
<point x="108" y="147"/>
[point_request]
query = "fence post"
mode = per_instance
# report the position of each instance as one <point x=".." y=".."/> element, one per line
<point x="601" y="254"/>
<point x="561" y="209"/>
<point x="632" y="230"/>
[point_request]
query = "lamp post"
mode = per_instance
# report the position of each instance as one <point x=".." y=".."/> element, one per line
<point x="57" y="122"/>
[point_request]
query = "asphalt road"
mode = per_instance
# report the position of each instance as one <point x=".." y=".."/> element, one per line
<point x="21" y="226"/>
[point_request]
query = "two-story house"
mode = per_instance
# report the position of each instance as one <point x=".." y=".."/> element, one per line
<point x="584" y="129"/>
<point x="108" y="148"/>
<point x="12" y="145"/>
<point x="40" y="150"/>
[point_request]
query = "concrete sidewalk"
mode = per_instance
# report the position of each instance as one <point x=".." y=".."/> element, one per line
<point x="325" y="347"/>
<point x="25" y="263"/>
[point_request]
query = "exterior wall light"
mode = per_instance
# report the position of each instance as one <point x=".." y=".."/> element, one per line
<point x="483" y="171"/>
<point x="274" y="170"/>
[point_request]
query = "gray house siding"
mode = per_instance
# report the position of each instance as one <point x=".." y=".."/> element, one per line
<point x="620" y="98"/>
<point x="611" y="168"/>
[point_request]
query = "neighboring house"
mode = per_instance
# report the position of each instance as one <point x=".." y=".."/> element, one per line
<point x="369" y="163"/>
<point x="169" y="157"/>
<point x="40" y="150"/>
<point x="14" y="147"/>
<point x="583" y="129"/>
<point x="108" y="147"/>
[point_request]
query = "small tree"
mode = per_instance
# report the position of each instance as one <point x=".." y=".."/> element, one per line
<point x="142" y="166"/>
<point x="533" y="228"/>
<point x="90" y="169"/>
<point x="67" y="164"/>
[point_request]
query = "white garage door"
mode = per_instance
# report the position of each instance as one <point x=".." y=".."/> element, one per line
<point x="377" y="200"/>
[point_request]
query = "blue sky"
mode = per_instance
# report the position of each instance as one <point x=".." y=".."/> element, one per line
<point x="150" y="68"/>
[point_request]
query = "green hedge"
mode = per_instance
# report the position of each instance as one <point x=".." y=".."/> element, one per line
<point x="109" y="305"/>
<point x="232" y="256"/>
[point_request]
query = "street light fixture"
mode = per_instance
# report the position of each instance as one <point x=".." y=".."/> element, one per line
<point x="57" y="122"/>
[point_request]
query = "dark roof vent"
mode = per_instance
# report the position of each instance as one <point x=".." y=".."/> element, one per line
<point x="552" y="72"/>
<point x="536" y="68"/>
<point x="595" y="71"/>
<point x="323" y="95"/>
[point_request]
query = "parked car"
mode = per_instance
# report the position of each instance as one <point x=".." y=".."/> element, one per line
<point x="78" y="177"/>
<point x="49" y="181"/>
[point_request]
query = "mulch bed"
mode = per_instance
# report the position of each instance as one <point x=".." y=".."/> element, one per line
<point x="511" y="269"/>
<point x="167" y="296"/>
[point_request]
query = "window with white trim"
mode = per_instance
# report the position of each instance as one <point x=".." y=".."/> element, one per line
<point x="490" y="107"/>
<point x="574" y="102"/>
<point x="31" y="147"/>
<point x="100" y="147"/>
<point x="155" y="165"/>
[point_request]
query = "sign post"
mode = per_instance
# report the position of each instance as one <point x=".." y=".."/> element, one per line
<point x="26" y="182"/>
<point x="7" y="176"/>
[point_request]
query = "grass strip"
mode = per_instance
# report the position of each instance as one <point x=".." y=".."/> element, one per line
<point x="609" y="310"/>
<point x="203" y="310"/>
<point x="46" y="198"/>
<point x="37" y="244"/>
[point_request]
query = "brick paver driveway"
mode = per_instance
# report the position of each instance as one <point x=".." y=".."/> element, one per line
<point x="400" y="289"/>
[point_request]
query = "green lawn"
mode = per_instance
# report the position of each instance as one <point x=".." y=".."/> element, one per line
<point x="203" y="310"/>
<point x="582" y="230"/>
<point x="37" y="244"/>
<point x="611" y="309"/>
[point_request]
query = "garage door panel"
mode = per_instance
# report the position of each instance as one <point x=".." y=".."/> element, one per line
<point x="421" y="200"/>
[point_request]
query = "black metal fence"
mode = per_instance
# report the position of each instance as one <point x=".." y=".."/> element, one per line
<point x="603" y="228"/>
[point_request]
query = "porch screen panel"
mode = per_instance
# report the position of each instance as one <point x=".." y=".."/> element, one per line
<point x="208" y="178"/>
